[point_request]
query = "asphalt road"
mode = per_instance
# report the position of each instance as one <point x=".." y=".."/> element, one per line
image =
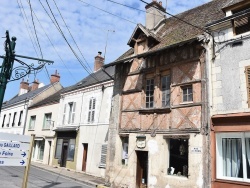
<point x="12" y="177"/>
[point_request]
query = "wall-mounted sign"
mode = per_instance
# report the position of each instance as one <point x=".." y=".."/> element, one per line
<point x="196" y="150"/>
<point x="141" y="141"/>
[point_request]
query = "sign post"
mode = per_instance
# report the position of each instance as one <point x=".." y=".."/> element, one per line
<point x="27" y="168"/>
<point x="16" y="150"/>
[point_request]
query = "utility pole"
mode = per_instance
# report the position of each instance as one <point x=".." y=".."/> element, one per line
<point x="20" y="71"/>
<point x="6" y="68"/>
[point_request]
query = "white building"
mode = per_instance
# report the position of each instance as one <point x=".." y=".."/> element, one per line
<point x="83" y="122"/>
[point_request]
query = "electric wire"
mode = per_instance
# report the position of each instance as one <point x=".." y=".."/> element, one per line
<point x="72" y="36"/>
<point x="46" y="70"/>
<point x="108" y="12"/>
<point x="22" y="11"/>
<point x="61" y="32"/>
<point x="54" y="47"/>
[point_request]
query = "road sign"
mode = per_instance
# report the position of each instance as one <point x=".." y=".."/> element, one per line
<point x="13" y="154"/>
<point x="15" y="137"/>
<point x="13" y="162"/>
<point x="14" y="145"/>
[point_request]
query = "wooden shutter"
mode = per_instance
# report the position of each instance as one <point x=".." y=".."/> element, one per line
<point x="247" y="71"/>
<point x="103" y="156"/>
<point x="64" y="113"/>
<point x="73" y="112"/>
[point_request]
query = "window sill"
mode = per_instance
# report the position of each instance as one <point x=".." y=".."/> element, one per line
<point x="176" y="176"/>
<point x="238" y="182"/>
<point x="155" y="110"/>
<point x="46" y="129"/>
<point x="31" y="129"/>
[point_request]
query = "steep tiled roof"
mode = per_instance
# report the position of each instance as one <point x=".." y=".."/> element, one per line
<point x="175" y="31"/>
<point x="26" y="96"/>
<point x="232" y="2"/>
<point x="94" y="78"/>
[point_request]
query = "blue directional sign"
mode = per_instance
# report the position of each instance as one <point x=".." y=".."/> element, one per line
<point x="12" y="162"/>
<point x="14" y="145"/>
<point x="13" y="154"/>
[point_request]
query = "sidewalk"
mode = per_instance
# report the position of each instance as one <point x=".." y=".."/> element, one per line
<point x="77" y="176"/>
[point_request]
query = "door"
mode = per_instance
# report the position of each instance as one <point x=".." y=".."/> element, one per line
<point x="142" y="169"/>
<point x="64" y="154"/>
<point x="84" y="157"/>
<point x="49" y="152"/>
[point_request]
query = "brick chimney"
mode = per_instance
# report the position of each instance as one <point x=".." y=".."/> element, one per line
<point x="24" y="87"/>
<point x="99" y="61"/>
<point x="35" y="85"/>
<point x="55" y="77"/>
<point x="154" y="14"/>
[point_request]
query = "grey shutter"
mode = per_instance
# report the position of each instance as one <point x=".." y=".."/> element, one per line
<point x="103" y="156"/>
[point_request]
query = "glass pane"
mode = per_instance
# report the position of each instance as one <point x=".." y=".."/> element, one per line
<point x="71" y="150"/>
<point x="58" y="148"/>
<point x="248" y="157"/>
<point x="232" y="157"/>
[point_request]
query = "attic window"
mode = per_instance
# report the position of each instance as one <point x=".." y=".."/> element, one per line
<point x="242" y="24"/>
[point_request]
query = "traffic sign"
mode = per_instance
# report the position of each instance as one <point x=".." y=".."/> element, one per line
<point x="13" y="162"/>
<point x="13" y="154"/>
<point x="14" y="145"/>
<point x="15" y="137"/>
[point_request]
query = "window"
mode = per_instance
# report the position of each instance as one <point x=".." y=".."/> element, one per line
<point x="14" y="119"/>
<point x="241" y="24"/>
<point x="187" y="93"/>
<point x="233" y="156"/>
<point x="149" y="93"/>
<point x="71" y="149"/>
<point x="124" y="150"/>
<point x="64" y="114"/>
<point x="40" y="145"/>
<point x="3" y="120"/>
<point x="58" y="148"/>
<point x="72" y="108"/>
<point x="91" y="115"/>
<point x="20" y="118"/>
<point x="178" y="157"/>
<point x="47" y="121"/>
<point x="8" y="124"/>
<point x="103" y="156"/>
<point x="32" y="122"/>
<point x="165" y="88"/>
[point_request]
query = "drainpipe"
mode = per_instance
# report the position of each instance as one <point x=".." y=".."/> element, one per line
<point x="25" y="120"/>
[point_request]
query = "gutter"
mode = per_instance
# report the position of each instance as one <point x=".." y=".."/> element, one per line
<point x="150" y="52"/>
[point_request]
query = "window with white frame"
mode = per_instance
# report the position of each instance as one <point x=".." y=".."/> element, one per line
<point x="71" y="115"/>
<point x="47" y="121"/>
<point x="32" y="122"/>
<point x="233" y="156"/>
<point x="91" y="114"/>
<point x="124" y="150"/>
<point x="150" y="93"/>
<point x="187" y="93"/>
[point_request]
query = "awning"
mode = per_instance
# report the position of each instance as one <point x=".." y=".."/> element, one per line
<point x="64" y="129"/>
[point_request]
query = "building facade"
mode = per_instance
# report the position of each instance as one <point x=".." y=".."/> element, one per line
<point x="159" y="127"/>
<point x="229" y="97"/>
<point x="81" y="133"/>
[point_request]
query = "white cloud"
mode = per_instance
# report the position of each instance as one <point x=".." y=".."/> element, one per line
<point x="88" y="25"/>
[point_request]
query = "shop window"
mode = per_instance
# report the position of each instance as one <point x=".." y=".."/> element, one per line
<point x="58" y="148"/>
<point x="149" y="93"/>
<point x="71" y="150"/>
<point x="233" y="156"/>
<point x="47" y="121"/>
<point x="187" y="93"/>
<point x="124" y="150"/>
<point x="165" y="88"/>
<point x="91" y="113"/>
<point x="40" y="145"/>
<point x="32" y="122"/>
<point x="178" y="157"/>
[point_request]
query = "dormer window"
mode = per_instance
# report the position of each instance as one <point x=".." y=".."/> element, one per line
<point x="241" y="24"/>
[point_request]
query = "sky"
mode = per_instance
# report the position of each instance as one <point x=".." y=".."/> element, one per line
<point x="71" y="32"/>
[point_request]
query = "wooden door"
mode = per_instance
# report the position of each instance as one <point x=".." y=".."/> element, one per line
<point x="142" y="169"/>
<point x="84" y="157"/>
